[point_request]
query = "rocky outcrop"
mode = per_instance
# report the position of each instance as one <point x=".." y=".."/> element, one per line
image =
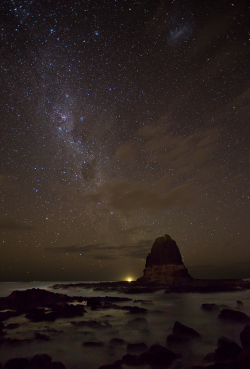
<point x="164" y="263"/>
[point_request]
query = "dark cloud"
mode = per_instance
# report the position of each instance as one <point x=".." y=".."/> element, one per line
<point x="101" y="251"/>
<point x="76" y="249"/>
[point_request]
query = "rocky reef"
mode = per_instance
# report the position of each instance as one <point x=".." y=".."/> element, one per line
<point x="164" y="263"/>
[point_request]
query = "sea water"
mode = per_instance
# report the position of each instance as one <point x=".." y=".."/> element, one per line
<point x="66" y="340"/>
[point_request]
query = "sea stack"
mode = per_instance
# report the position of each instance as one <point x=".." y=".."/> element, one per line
<point x="164" y="263"/>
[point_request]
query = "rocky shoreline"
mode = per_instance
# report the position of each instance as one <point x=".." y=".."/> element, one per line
<point x="38" y="305"/>
<point x="190" y="286"/>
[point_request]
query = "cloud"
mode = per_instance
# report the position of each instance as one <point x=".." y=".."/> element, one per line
<point x="8" y="224"/>
<point x="132" y="197"/>
<point x="136" y="230"/>
<point x="101" y="251"/>
<point x="76" y="249"/>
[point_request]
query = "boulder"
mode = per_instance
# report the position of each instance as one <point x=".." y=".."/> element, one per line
<point x="182" y="330"/>
<point x="117" y="342"/>
<point x="41" y="361"/>
<point x="41" y="336"/>
<point x="174" y="339"/>
<point x="234" y="316"/>
<point x="17" y="363"/>
<point x="93" y="344"/>
<point x="245" y="337"/>
<point x="164" y="263"/>
<point x="210" y="307"/>
<point x="227" y="350"/>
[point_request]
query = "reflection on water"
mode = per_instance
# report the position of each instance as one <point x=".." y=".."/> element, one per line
<point x="66" y="339"/>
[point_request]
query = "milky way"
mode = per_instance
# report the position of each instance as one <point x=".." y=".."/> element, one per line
<point x="122" y="121"/>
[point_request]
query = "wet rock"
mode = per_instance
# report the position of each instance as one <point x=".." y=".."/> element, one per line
<point x="210" y="307"/>
<point x="136" y="347"/>
<point x="227" y="350"/>
<point x="93" y="344"/>
<point x="234" y="316"/>
<point x="92" y="324"/>
<point x="180" y="329"/>
<point x="244" y="359"/>
<point x="245" y="337"/>
<point x="52" y="330"/>
<point x="174" y="339"/>
<point x="117" y="342"/>
<point x="145" y="332"/>
<point x="41" y="361"/>
<point x="41" y="336"/>
<point x="17" y="363"/>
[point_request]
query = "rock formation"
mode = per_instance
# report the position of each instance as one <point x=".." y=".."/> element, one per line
<point x="164" y="263"/>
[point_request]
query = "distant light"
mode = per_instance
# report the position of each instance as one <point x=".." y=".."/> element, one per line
<point x="129" y="280"/>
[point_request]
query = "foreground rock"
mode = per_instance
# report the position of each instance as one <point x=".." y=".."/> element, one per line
<point x="234" y="316"/>
<point x="182" y="330"/>
<point x="41" y="305"/>
<point x="155" y="356"/>
<point x="39" y="361"/>
<point x="245" y="337"/>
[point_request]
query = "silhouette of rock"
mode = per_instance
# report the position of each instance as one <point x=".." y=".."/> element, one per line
<point x="17" y="363"/>
<point x="227" y="350"/>
<point x="176" y="340"/>
<point x="93" y="344"/>
<point x="245" y="337"/>
<point x="234" y="316"/>
<point x="41" y="360"/>
<point x="117" y="342"/>
<point x="184" y="331"/>
<point x="210" y="307"/>
<point x="41" y="336"/>
<point x="164" y="263"/>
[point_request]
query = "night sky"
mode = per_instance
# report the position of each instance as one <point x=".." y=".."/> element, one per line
<point x="123" y="121"/>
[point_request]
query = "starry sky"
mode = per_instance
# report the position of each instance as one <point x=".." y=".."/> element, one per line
<point x="123" y="121"/>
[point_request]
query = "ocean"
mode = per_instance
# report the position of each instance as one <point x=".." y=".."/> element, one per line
<point x="66" y="340"/>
